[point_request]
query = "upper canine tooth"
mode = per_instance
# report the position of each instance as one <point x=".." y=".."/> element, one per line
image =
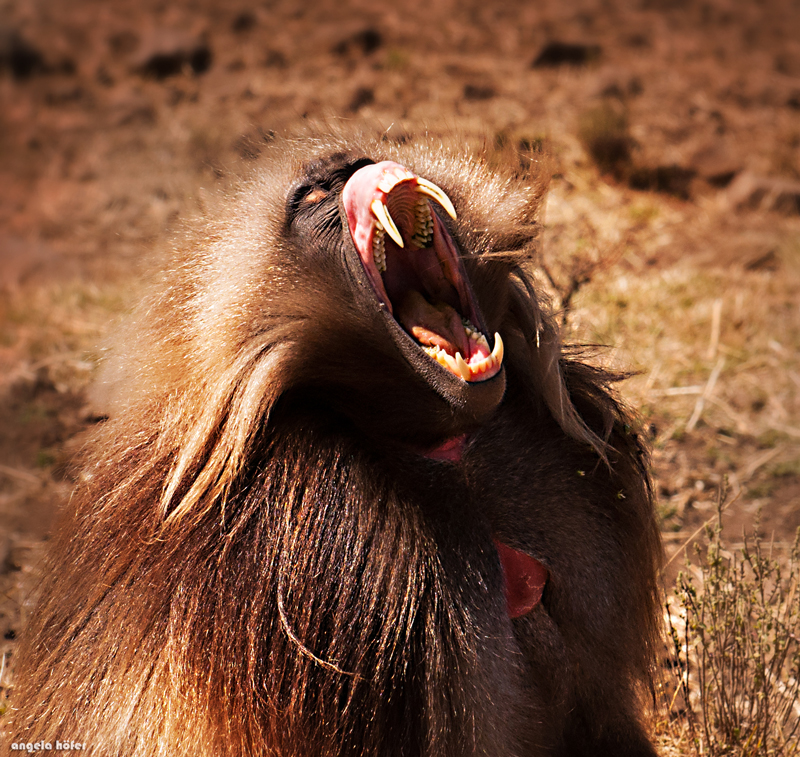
<point x="381" y="212"/>
<point x="497" y="352"/>
<point x="426" y="187"/>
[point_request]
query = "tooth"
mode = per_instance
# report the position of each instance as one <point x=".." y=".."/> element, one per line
<point x="497" y="352"/>
<point x="378" y="250"/>
<point x="392" y="178"/>
<point x="423" y="223"/>
<point x="481" y="340"/>
<point x="463" y="368"/>
<point x="426" y="187"/>
<point x="382" y="214"/>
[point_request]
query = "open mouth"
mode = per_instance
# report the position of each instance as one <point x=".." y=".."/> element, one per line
<point x="415" y="269"/>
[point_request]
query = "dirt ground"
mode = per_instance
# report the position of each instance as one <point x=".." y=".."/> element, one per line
<point x="672" y="222"/>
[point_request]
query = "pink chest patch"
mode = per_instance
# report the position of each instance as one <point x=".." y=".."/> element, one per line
<point x="452" y="450"/>
<point x="524" y="579"/>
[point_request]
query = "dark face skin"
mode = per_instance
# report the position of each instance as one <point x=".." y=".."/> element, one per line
<point x="354" y="501"/>
<point x="317" y="223"/>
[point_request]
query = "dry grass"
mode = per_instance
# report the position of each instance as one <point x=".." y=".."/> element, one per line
<point x="58" y="326"/>
<point x="734" y="625"/>
<point x="713" y="347"/>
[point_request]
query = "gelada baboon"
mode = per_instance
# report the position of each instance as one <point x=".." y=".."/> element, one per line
<point x="355" y="498"/>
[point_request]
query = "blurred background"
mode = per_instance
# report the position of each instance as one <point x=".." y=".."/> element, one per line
<point x="672" y="223"/>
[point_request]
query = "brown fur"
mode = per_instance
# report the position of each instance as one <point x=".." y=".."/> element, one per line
<point x="259" y="562"/>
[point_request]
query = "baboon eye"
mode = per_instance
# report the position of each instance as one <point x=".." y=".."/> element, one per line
<point x="320" y="181"/>
<point x="315" y="195"/>
<point x="304" y="195"/>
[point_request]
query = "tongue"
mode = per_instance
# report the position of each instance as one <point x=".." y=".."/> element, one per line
<point x="435" y="324"/>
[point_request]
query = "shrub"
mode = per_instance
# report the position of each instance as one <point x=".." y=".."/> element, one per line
<point x="737" y="643"/>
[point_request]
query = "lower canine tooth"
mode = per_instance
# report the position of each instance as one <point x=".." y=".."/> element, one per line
<point x="463" y="368"/>
<point x="497" y="352"/>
